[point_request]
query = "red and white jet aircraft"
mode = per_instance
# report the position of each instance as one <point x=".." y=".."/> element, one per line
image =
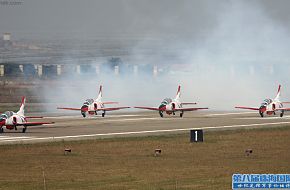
<point x="270" y="106"/>
<point x="170" y="106"/>
<point x="92" y="106"/>
<point x="12" y="120"/>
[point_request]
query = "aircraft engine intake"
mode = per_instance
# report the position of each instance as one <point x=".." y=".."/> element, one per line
<point x="173" y="106"/>
<point x="14" y="121"/>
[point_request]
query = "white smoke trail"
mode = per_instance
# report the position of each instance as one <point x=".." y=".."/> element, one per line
<point x="240" y="61"/>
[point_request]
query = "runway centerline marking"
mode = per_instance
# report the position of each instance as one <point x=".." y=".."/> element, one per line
<point x="138" y="132"/>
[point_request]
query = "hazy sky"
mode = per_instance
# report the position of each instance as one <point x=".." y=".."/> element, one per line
<point x="153" y="18"/>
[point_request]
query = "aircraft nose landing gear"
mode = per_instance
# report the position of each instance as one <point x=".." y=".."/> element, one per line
<point x="161" y="113"/>
<point x="84" y="109"/>
<point x="262" y="109"/>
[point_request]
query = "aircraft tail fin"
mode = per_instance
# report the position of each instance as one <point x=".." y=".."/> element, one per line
<point x="178" y="93"/>
<point x="21" y="109"/>
<point x="100" y="93"/>
<point x="278" y="93"/>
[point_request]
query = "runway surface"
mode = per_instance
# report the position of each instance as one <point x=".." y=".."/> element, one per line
<point x="75" y="127"/>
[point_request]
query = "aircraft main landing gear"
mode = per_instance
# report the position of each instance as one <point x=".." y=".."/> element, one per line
<point x="103" y="114"/>
<point x="261" y="114"/>
<point x="161" y="113"/>
<point x="1" y="130"/>
<point x="24" y="130"/>
<point x="282" y="113"/>
<point x="83" y="114"/>
<point x="181" y="114"/>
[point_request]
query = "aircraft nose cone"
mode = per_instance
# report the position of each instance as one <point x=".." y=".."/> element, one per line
<point x="162" y="107"/>
<point x="2" y="122"/>
<point x="84" y="108"/>
<point x="262" y="109"/>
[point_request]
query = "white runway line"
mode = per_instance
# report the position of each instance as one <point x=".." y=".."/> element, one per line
<point x="8" y="138"/>
<point x="232" y="113"/>
<point x="3" y="136"/>
<point x="139" y="132"/>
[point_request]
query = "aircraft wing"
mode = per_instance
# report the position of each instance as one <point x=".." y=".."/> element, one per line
<point x="189" y="109"/>
<point x="188" y="103"/>
<point x="247" y="108"/>
<point x="285" y="102"/>
<point x="34" y="123"/>
<point x="110" y="102"/>
<point x="75" y="109"/>
<point x="149" y="108"/>
<point x="284" y="109"/>
<point x="33" y="117"/>
<point x="111" y="109"/>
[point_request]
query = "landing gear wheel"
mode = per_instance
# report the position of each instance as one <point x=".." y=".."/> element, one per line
<point x="261" y="114"/>
<point x="282" y="113"/>
<point x="181" y="114"/>
<point x="83" y="114"/>
<point x="103" y="114"/>
<point x="161" y="114"/>
<point x="1" y="130"/>
<point x="23" y="130"/>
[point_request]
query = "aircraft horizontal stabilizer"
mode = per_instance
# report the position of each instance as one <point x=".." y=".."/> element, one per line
<point x="110" y="102"/>
<point x="34" y="117"/>
<point x="75" y="109"/>
<point x="247" y="108"/>
<point x="188" y="103"/>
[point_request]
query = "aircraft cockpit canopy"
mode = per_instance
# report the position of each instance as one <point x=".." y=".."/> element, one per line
<point x="6" y="115"/>
<point x="166" y="101"/>
<point x="88" y="102"/>
<point x="267" y="101"/>
<point x="2" y="117"/>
